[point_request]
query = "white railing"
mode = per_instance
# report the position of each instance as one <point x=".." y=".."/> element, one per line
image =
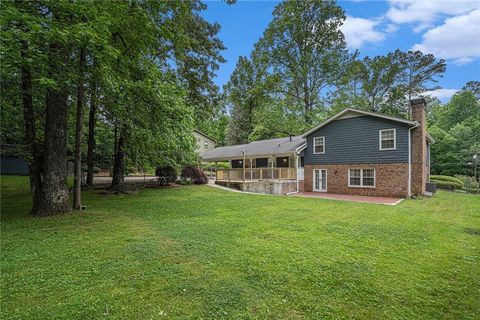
<point x="241" y="174"/>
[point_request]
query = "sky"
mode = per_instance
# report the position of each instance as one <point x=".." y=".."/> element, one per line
<point x="448" y="29"/>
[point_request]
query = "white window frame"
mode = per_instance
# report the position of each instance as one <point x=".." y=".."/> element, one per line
<point x="361" y="178"/>
<point x="323" y="139"/>
<point x="394" y="139"/>
<point x="205" y="144"/>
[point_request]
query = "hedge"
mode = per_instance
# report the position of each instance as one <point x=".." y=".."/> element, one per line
<point x="446" y="179"/>
<point x="450" y="185"/>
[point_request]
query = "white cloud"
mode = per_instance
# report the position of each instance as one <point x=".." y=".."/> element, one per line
<point x="456" y="39"/>
<point x="426" y="12"/>
<point x="359" y="31"/>
<point x="441" y="94"/>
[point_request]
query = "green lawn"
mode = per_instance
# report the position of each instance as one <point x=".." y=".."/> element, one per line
<point x="199" y="252"/>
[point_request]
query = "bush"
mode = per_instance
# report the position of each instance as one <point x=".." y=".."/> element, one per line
<point x="469" y="183"/>
<point x="472" y="190"/>
<point x="449" y="185"/>
<point x="220" y="165"/>
<point x="96" y="169"/>
<point x="166" y="175"/>
<point x="446" y="178"/>
<point x="194" y="174"/>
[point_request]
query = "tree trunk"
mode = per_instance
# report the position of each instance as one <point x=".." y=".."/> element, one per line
<point x="77" y="167"/>
<point x="54" y="194"/>
<point x="118" y="185"/>
<point x="91" y="134"/>
<point x="29" y="119"/>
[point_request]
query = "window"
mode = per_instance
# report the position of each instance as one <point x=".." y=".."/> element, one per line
<point x="355" y="178"/>
<point x="388" y="139"/>
<point x="319" y="145"/>
<point x="361" y="178"/>
<point x="205" y="145"/>
<point x="368" y="178"/>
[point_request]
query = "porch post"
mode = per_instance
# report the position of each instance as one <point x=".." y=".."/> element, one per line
<point x="273" y="173"/>
<point x="216" y="171"/>
<point x="243" y="165"/>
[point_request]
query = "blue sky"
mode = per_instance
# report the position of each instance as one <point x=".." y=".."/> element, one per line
<point x="448" y="29"/>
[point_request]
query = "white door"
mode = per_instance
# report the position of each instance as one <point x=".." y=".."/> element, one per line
<point x="320" y="180"/>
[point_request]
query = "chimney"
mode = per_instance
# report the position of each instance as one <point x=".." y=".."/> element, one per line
<point x="419" y="147"/>
<point x="290" y="135"/>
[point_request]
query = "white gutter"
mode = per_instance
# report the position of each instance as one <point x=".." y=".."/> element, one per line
<point x="409" y="193"/>
<point x="296" y="191"/>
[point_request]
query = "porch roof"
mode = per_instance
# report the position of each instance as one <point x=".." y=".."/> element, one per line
<point x="262" y="148"/>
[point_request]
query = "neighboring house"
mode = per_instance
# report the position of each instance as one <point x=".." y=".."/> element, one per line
<point x="14" y="165"/>
<point x="354" y="152"/>
<point x="204" y="142"/>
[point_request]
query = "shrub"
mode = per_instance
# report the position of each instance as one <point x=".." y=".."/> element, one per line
<point x="446" y="178"/>
<point x="96" y="169"/>
<point x="449" y="185"/>
<point x="166" y="175"/>
<point x="194" y="174"/>
<point x="469" y="183"/>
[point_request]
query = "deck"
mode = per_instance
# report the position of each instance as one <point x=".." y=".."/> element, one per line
<point x="256" y="174"/>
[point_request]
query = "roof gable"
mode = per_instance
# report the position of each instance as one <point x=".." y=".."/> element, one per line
<point x="350" y="112"/>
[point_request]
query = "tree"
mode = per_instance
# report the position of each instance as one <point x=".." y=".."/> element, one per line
<point x="417" y="69"/>
<point x="305" y="49"/>
<point x="378" y="80"/>
<point x="456" y="128"/>
<point x="245" y="92"/>
<point x="140" y="83"/>
<point x="474" y="87"/>
<point x="77" y="169"/>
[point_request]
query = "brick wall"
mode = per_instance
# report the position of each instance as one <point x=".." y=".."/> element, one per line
<point x="301" y="186"/>
<point x="419" y="148"/>
<point x="391" y="179"/>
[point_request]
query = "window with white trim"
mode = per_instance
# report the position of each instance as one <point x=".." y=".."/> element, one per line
<point x="361" y="178"/>
<point x="205" y="145"/>
<point x="319" y="145"/>
<point x="388" y="139"/>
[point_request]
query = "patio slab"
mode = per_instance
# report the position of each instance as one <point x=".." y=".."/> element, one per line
<point x="353" y="198"/>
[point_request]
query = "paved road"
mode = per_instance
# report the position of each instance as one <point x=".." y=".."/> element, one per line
<point x="107" y="180"/>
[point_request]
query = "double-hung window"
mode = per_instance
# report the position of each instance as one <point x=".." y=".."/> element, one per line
<point x="388" y="139"/>
<point x="361" y="178"/>
<point x="319" y="145"/>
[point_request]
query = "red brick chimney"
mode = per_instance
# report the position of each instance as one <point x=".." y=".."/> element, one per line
<point x="419" y="147"/>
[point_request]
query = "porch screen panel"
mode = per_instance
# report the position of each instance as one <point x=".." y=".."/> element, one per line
<point x="282" y="162"/>
<point x="237" y="163"/>
<point x="261" y="163"/>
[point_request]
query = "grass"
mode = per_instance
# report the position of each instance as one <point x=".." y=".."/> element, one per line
<point x="203" y="253"/>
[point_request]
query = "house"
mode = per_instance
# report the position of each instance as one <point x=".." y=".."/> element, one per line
<point x="204" y="142"/>
<point x="354" y="152"/>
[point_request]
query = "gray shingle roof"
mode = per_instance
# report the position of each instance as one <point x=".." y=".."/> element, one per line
<point x="255" y="149"/>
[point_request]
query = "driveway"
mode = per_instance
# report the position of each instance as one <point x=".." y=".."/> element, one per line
<point x="108" y="180"/>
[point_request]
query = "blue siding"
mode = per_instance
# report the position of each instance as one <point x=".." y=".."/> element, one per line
<point x="355" y="140"/>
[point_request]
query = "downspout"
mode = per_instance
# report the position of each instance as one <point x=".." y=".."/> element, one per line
<point x="296" y="170"/>
<point x="409" y="187"/>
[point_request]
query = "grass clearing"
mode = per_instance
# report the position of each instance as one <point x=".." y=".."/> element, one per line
<point x="201" y="252"/>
